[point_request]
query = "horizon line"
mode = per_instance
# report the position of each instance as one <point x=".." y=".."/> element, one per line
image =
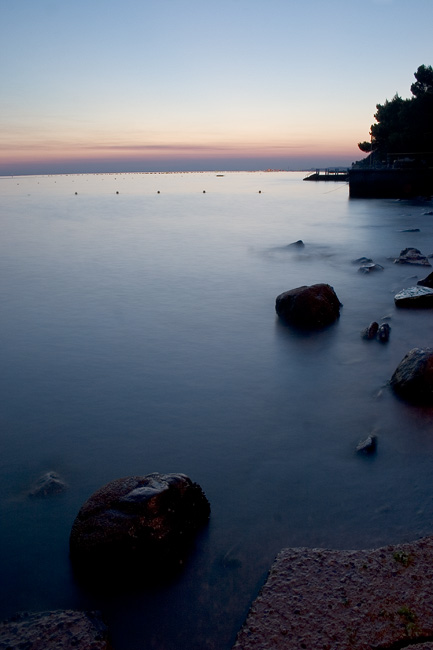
<point x="177" y="171"/>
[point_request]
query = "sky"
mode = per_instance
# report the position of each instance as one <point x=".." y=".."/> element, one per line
<point x="167" y="85"/>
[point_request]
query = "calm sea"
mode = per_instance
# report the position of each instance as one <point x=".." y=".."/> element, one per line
<point x="138" y="334"/>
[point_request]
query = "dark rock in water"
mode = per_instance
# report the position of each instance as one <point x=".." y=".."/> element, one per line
<point x="410" y="230"/>
<point x="48" y="484"/>
<point x="413" y="378"/>
<point x="427" y="282"/>
<point x="362" y="261"/>
<point x="384" y="332"/>
<point x="296" y="244"/>
<point x="370" y="332"/>
<point x="415" y="297"/>
<point x="369" y="267"/>
<point x="374" y="331"/>
<point x="412" y="256"/>
<point x="57" y="630"/>
<point x="310" y="307"/>
<point x="142" y="524"/>
<point x="367" y="446"/>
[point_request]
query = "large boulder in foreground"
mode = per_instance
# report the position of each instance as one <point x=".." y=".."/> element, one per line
<point x="59" y="630"/>
<point x="310" y="307"/>
<point x="413" y="378"/>
<point x="346" y="600"/>
<point x="138" y="524"/>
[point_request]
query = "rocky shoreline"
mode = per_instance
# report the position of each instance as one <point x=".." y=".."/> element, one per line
<point x="376" y="599"/>
<point x="315" y="599"/>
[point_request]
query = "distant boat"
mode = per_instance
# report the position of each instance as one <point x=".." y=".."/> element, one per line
<point x="220" y="174"/>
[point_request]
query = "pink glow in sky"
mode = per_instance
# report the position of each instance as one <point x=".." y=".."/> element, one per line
<point x="239" y="84"/>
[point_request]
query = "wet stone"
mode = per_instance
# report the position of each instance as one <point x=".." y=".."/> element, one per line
<point x="138" y="525"/>
<point x="370" y="267"/>
<point x="412" y="256"/>
<point x="370" y="332"/>
<point x="367" y="446"/>
<point x="384" y="332"/>
<point x="57" y="630"/>
<point x="427" y="281"/>
<point x="309" y="307"/>
<point x="296" y="244"/>
<point x="48" y="484"/>
<point x="413" y="377"/>
<point x="418" y="297"/>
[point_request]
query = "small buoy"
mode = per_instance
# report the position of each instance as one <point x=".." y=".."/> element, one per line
<point x="204" y="191"/>
<point x="76" y="193"/>
<point x="117" y="192"/>
<point x="260" y="191"/>
<point x="158" y="192"/>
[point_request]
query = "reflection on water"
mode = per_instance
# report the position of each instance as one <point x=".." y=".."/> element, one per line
<point x="139" y="335"/>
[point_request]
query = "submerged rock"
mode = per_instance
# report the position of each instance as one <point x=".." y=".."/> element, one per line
<point x="59" y="630"/>
<point x="413" y="377"/>
<point x="48" y="484"/>
<point x="369" y="333"/>
<point x="426" y="282"/>
<point x="143" y="523"/>
<point x="412" y="256"/>
<point x="363" y="261"/>
<point x="367" y="446"/>
<point x="309" y="307"/>
<point x="417" y="297"/>
<point x="296" y="244"/>
<point x="384" y="332"/>
<point x="369" y="267"/>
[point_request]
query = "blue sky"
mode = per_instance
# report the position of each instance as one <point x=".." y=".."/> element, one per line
<point x="98" y="85"/>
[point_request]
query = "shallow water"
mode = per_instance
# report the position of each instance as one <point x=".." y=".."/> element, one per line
<point x="139" y="334"/>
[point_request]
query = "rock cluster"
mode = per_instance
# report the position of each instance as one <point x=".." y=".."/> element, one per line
<point x="374" y="331"/>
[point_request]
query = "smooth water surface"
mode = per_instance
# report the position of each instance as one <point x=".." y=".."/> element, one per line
<point x="139" y="334"/>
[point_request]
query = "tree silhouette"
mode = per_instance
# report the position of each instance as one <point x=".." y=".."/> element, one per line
<point x="405" y="126"/>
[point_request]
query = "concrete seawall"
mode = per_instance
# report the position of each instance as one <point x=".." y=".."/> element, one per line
<point x="390" y="183"/>
<point x="320" y="599"/>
